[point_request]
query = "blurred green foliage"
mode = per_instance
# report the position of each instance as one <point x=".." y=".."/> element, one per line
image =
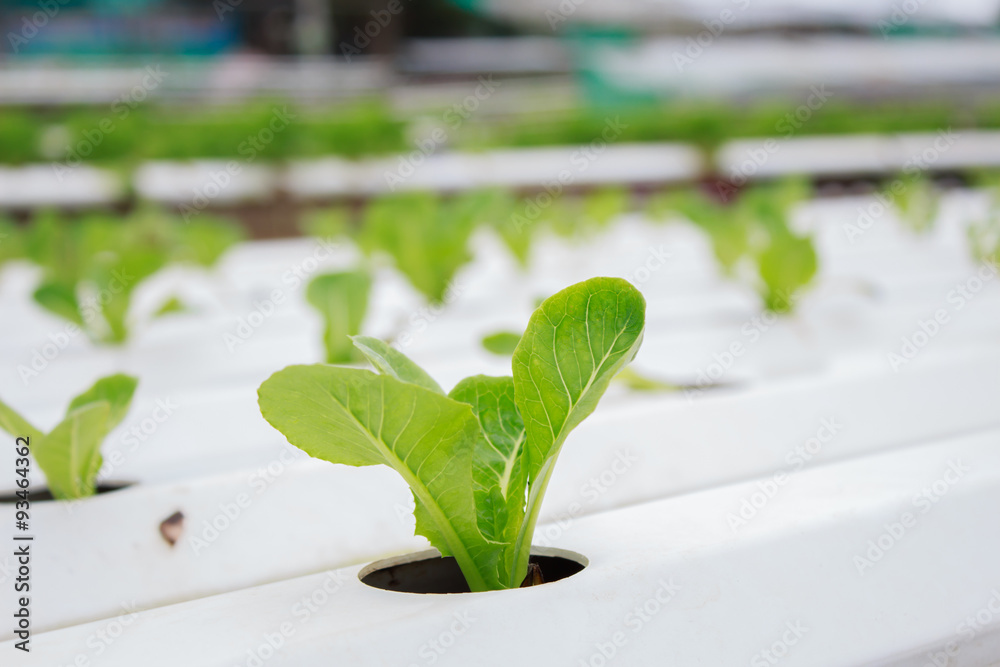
<point x="753" y="228"/>
<point x="92" y="265"/>
<point x="145" y="131"/>
<point x="342" y="301"/>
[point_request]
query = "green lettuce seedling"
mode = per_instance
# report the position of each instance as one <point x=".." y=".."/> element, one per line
<point x="342" y="300"/>
<point x="918" y="202"/>
<point x="479" y="459"/>
<point x="92" y="266"/>
<point x="984" y="232"/>
<point x="786" y="262"/>
<point x="70" y="454"/>
<point x="730" y="239"/>
<point x="426" y="237"/>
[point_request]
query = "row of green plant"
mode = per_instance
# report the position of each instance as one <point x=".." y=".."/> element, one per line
<point x="124" y="135"/>
<point x="426" y="236"/>
<point x="92" y="265"/>
<point x="709" y="124"/>
<point x="751" y="233"/>
<point x="149" y="131"/>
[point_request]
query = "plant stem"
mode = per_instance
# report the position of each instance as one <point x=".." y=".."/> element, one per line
<point x="522" y="547"/>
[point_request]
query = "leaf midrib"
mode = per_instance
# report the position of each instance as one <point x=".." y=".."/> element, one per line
<point x="455" y="543"/>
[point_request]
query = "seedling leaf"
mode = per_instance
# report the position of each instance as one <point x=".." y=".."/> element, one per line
<point x="498" y="474"/>
<point x="390" y="361"/>
<point x="342" y="300"/>
<point x="574" y="344"/>
<point x="355" y="417"/>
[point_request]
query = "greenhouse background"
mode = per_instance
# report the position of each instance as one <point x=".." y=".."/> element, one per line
<point x="256" y="258"/>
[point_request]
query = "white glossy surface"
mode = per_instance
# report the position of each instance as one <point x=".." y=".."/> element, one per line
<point x="714" y="595"/>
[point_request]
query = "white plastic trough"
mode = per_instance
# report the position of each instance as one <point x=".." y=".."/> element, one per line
<point x="859" y="154"/>
<point x="203" y="183"/>
<point x="846" y="564"/>
<point x="334" y="516"/>
<point x="57" y="184"/>
<point x="606" y="163"/>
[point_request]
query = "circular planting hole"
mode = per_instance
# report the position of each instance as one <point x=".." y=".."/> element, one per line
<point x="44" y="494"/>
<point x="428" y="572"/>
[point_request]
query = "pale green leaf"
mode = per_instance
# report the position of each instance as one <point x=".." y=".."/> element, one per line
<point x="342" y="300"/>
<point x="116" y="390"/>
<point x="355" y="417"/>
<point x="786" y="266"/>
<point x="498" y="474"/>
<point x="70" y="456"/>
<point x="573" y="346"/>
<point x="390" y="361"/>
<point x="502" y="343"/>
<point x="16" y="425"/>
<point x="636" y="381"/>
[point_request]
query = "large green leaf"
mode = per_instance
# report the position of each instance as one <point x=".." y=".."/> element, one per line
<point x="342" y="300"/>
<point x="70" y="456"/>
<point x="390" y="361"/>
<point x="355" y="417"/>
<point x="498" y="474"/>
<point x="574" y="344"/>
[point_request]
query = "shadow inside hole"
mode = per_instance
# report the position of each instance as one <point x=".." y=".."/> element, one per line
<point x="44" y="494"/>
<point x="428" y="572"/>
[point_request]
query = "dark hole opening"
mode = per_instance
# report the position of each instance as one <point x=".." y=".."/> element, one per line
<point x="38" y="495"/>
<point x="437" y="575"/>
